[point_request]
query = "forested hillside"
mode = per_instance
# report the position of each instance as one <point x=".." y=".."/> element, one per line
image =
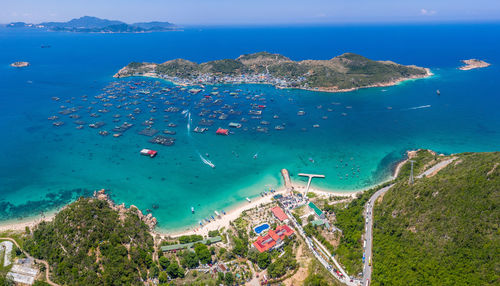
<point x="443" y="230"/>
<point x="89" y="243"/>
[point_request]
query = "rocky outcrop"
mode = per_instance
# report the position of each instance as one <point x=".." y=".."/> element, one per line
<point x="148" y="219"/>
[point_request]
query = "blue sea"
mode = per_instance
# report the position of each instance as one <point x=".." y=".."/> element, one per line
<point x="361" y="135"/>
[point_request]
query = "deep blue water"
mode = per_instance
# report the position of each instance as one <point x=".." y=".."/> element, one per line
<point x="43" y="167"/>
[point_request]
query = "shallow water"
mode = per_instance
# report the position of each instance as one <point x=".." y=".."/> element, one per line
<point x="43" y="167"/>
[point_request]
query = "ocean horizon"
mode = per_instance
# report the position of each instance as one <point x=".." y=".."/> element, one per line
<point x="361" y="136"/>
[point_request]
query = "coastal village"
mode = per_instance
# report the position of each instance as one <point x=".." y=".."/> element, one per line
<point x="269" y="241"/>
<point x="280" y="238"/>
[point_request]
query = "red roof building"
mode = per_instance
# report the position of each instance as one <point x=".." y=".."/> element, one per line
<point x="272" y="238"/>
<point x="279" y="213"/>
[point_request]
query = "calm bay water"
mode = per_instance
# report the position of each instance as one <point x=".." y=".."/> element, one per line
<point x="43" y="167"/>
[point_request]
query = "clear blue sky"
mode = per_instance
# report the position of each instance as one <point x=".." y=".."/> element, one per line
<point x="258" y="12"/>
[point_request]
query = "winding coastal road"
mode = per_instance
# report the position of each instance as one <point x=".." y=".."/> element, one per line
<point x="436" y="168"/>
<point x="367" y="268"/>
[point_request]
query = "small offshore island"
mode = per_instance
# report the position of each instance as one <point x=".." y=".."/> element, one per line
<point x="19" y="64"/>
<point x="473" y="64"/>
<point x="343" y="73"/>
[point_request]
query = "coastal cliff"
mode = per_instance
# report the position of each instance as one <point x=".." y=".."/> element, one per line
<point x="342" y="73"/>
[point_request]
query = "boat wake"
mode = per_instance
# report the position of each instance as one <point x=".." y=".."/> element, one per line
<point x="418" y="107"/>
<point x="206" y="161"/>
<point x="188" y="126"/>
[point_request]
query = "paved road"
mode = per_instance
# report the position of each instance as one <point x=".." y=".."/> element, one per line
<point x="310" y="244"/>
<point x="47" y="278"/>
<point x="367" y="269"/>
<point x="436" y="167"/>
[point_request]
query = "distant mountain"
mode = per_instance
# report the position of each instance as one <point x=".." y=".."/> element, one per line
<point x="88" y="24"/>
<point x="17" y="25"/>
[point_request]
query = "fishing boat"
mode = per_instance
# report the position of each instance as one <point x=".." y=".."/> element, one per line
<point x="217" y="213"/>
<point x="221" y="131"/>
<point x="248" y="200"/>
<point x="192" y="210"/>
<point x="200" y="129"/>
<point x="235" y="125"/>
<point x="223" y="212"/>
<point x="150" y="153"/>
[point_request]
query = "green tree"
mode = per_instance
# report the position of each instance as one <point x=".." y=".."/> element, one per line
<point x="190" y="259"/>
<point x="240" y="247"/>
<point x="154" y="271"/>
<point x="164" y="262"/>
<point x="263" y="260"/>
<point x="310" y="218"/>
<point x="253" y="254"/>
<point x="229" y="278"/>
<point x="315" y="280"/>
<point x="203" y="253"/>
<point x="174" y="270"/>
<point x="163" y="277"/>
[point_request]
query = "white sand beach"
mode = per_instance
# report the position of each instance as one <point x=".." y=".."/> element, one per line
<point x="20" y="225"/>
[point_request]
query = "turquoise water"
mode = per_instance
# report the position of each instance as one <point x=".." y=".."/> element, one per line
<point x="42" y="167"/>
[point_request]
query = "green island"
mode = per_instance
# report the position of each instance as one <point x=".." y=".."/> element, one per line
<point x="342" y="73"/>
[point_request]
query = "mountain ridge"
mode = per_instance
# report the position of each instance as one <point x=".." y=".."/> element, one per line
<point x="92" y="24"/>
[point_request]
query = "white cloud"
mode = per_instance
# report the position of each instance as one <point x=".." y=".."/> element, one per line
<point x="426" y="12"/>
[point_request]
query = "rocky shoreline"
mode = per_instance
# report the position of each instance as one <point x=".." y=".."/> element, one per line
<point x="124" y="73"/>
<point x="473" y="64"/>
<point x="148" y="219"/>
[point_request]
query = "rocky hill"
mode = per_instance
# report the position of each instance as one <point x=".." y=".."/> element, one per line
<point x="94" y="242"/>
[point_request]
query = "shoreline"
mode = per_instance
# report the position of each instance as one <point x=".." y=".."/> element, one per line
<point x="395" y="82"/>
<point x="236" y="210"/>
<point x="233" y="212"/>
<point x="30" y="221"/>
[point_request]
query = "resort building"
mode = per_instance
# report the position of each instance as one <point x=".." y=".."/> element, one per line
<point x="279" y="214"/>
<point x="23" y="272"/>
<point x="176" y="247"/>
<point x="273" y="238"/>
<point x="316" y="210"/>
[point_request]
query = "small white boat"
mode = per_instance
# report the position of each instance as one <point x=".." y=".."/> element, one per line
<point x="249" y="200"/>
<point x="216" y="213"/>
